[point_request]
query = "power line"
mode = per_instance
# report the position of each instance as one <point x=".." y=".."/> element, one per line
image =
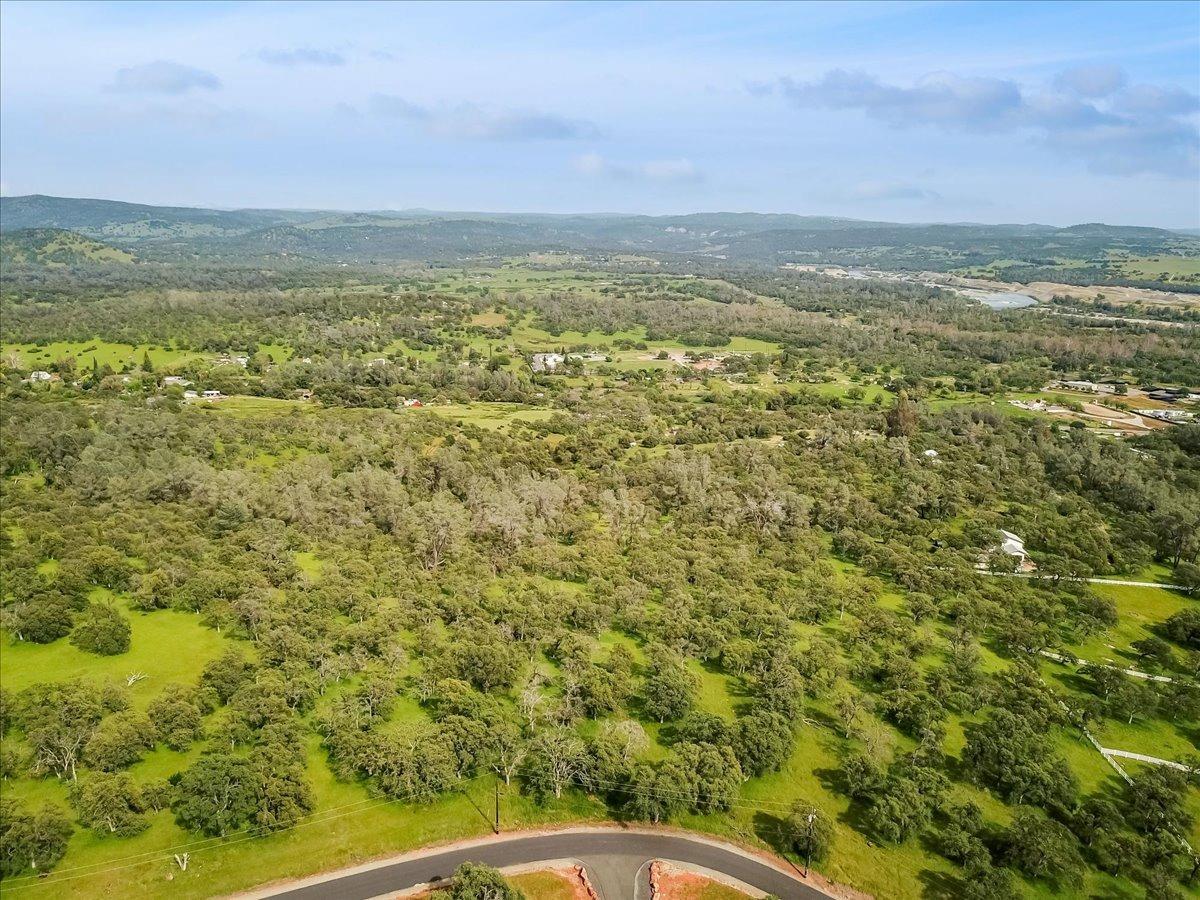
<point x="164" y="854"/>
<point x="316" y="818"/>
<point x="189" y="845"/>
<point x="323" y="816"/>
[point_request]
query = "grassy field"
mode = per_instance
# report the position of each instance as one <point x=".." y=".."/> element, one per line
<point x="167" y="646"/>
<point x="350" y="825"/>
<point x="486" y="415"/>
<point x="489" y="319"/>
<point x="117" y="355"/>
<point x="102" y="353"/>
<point x="1167" y="267"/>
<point x="253" y="406"/>
<point x="543" y="885"/>
<point x="1138" y="608"/>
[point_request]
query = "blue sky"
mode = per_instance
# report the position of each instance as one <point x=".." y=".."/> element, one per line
<point x="1057" y="112"/>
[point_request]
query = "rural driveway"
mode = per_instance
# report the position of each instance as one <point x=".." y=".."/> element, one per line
<point x="615" y="862"/>
<point x="1117" y="581"/>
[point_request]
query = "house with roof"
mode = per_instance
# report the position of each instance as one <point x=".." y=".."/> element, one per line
<point x="546" y="362"/>
<point x="1010" y="545"/>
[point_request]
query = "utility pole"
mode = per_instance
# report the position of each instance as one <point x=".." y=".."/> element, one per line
<point x="496" y="785"/>
<point x="808" y="836"/>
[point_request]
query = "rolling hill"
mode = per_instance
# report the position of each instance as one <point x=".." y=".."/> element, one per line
<point x="56" y="247"/>
<point x="323" y="236"/>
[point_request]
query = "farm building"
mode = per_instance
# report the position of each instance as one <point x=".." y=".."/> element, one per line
<point x="546" y="362"/>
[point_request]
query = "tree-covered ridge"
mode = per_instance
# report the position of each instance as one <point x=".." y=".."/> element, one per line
<point x="56" y="247"/>
<point x="282" y="237"/>
<point x="718" y="601"/>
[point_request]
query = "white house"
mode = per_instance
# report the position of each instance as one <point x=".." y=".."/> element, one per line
<point x="1012" y="545"/>
<point x="39" y="375"/>
<point x="170" y="380"/>
<point x="211" y="395"/>
<point x="547" y="362"/>
<point x="1015" y="546"/>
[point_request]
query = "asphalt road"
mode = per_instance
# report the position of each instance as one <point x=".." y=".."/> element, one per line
<point x="610" y="857"/>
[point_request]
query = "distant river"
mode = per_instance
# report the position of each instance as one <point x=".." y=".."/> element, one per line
<point x="1002" y="299"/>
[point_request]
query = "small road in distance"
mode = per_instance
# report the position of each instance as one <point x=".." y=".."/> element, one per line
<point x="1117" y="581"/>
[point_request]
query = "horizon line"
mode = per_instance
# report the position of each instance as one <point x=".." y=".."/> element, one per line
<point x="596" y="214"/>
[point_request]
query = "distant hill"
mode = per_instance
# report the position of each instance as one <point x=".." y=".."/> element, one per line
<point x="265" y="236"/>
<point x="129" y="220"/>
<point x="56" y="247"/>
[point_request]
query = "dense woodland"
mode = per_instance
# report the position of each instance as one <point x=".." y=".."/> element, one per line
<point x="548" y="603"/>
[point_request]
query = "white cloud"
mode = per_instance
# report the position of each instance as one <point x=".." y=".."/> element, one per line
<point x="1088" y="113"/>
<point x="302" y="56"/>
<point x="470" y="122"/>
<point x="1091" y="81"/>
<point x="163" y="77"/>
<point x="940" y="98"/>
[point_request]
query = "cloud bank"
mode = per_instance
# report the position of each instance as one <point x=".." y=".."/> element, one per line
<point x="1089" y="113"/>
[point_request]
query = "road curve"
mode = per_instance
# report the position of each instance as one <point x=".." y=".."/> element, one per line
<point x="605" y="849"/>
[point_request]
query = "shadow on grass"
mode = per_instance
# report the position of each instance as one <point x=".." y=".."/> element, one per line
<point x="941" y="885"/>
<point x="824" y="719"/>
<point x="488" y="817"/>
<point x="855" y="815"/>
<point x="770" y="830"/>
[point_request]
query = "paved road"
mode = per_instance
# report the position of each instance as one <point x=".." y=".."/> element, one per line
<point x="1133" y="673"/>
<point x="1117" y="581"/>
<point x="611" y="857"/>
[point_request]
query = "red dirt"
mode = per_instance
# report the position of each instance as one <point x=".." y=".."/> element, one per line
<point x="670" y="883"/>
